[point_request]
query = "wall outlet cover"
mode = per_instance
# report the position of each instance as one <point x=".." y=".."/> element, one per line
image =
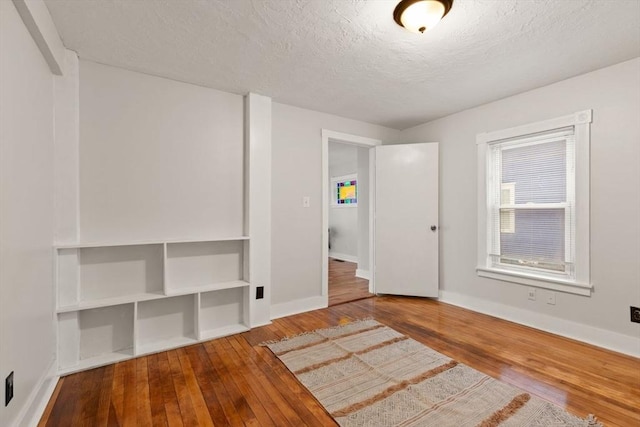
<point x="259" y="292"/>
<point x="531" y="294"/>
<point x="8" y="389"/>
<point x="551" y="298"/>
<point x="635" y="314"/>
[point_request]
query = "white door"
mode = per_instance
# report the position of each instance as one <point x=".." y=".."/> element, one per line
<point x="406" y="220"/>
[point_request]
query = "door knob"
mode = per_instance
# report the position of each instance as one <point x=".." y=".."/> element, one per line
<point x="433" y="228"/>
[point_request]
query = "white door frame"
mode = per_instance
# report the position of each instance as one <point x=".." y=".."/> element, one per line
<point x="360" y="141"/>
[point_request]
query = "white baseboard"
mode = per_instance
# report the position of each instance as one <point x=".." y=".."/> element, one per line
<point x="599" y="337"/>
<point x="289" y="308"/>
<point x="363" y="274"/>
<point x="343" y="257"/>
<point x="38" y="399"/>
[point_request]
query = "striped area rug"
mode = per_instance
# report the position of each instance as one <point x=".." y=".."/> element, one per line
<point x="367" y="374"/>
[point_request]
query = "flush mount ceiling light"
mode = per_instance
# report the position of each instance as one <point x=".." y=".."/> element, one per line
<point x="419" y="16"/>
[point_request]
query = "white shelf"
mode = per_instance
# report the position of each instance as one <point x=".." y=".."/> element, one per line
<point x="107" y="302"/>
<point x="144" y="242"/>
<point x="207" y="288"/>
<point x="97" y="361"/>
<point x="117" y="300"/>
<point x="223" y="331"/>
<point x="162" y="345"/>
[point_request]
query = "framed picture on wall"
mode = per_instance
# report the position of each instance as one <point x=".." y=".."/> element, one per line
<point x="344" y="190"/>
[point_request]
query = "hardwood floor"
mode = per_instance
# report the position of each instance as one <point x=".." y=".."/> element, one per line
<point x="234" y="381"/>
<point x="344" y="286"/>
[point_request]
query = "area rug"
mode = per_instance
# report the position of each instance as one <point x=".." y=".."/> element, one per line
<point x="367" y="374"/>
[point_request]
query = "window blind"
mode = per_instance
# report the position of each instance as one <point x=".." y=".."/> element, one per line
<point x="531" y="194"/>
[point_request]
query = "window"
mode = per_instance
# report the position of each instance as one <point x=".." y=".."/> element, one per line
<point x="533" y="208"/>
<point x="345" y="191"/>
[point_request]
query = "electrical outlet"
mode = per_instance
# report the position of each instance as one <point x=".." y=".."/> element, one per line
<point x="260" y="292"/>
<point x="551" y="298"/>
<point x="635" y="314"/>
<point x="531" y="295"/>
<point x="8" y="389"/>
<point x="306" y="201"/>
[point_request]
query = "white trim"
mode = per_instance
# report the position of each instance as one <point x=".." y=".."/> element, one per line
<point x="303" y="305"/>
<point x="580" y="121"/>
<point x="38" y="399"/>
<point x="363" y="274"/>
<point x="372" y="220"/>
<point x="579" y="118"/>
<point x="343" y="257"/>
<point x="589" y="334"/>
<point x="350" y="139"/>
<point x="536" y="281"/>
<point x="354" y="140"/>
<point x="38" y="22"/>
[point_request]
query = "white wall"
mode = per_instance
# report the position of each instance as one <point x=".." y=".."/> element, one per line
<point x="614" y="95"/>
<point x="343" y="221"/>
<point x="158" y="158"/>
<point x="26" y="218"/>
<point x="296" y="231"/>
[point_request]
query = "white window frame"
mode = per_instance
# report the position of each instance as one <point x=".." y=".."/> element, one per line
<point x="581" y="283"/>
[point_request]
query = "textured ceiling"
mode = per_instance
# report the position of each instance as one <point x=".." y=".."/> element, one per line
<point x="348" y="57"/>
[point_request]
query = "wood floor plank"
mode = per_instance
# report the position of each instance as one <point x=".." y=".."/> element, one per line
<point x="104" y="401"/>
<point x="117" y="394"/>
<point x="199" y="405"/>
<point x="259" y="384"/>
<point x="171" y="405"/>
<point x="231" y="412"/>
<point x="204" y="373"/>
<point x="234" y="394"/>
<point x="130" y="402"/>
<point x="234" y="381"/>
<point x="185" y="402"/>
<point x="90" y="396"/>
<point x="236" y="366"/>
<point x="143" y="399"/>
<point x="156" y="397"/>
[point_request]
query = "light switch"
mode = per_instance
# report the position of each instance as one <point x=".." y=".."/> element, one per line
<point x="306" y="201"/>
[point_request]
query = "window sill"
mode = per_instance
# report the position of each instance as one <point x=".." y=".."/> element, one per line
<point x="537" y="281"/>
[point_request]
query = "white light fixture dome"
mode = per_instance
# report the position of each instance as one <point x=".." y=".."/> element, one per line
<point x="419" y="16"/>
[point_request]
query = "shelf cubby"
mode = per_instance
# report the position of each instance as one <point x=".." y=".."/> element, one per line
<point x="223" y="312"/>
<point x="165" y="323"/>
<point x="120" y="271"/>
<point x="194" y="265"/>
<point x="95" y="337"/>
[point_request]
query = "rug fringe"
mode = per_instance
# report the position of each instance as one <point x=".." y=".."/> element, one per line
<point x="331" y="328"/>
<point x="592" y="421"/>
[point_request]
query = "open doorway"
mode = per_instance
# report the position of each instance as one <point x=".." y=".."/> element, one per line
<point x="348" y="223"/>
<point x="347" y="218"/>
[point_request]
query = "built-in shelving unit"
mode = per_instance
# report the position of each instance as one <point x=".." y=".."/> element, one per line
<point x="117" y="300"/>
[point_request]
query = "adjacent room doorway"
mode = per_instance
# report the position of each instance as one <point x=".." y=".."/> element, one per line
<point x="347" y="215"/>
